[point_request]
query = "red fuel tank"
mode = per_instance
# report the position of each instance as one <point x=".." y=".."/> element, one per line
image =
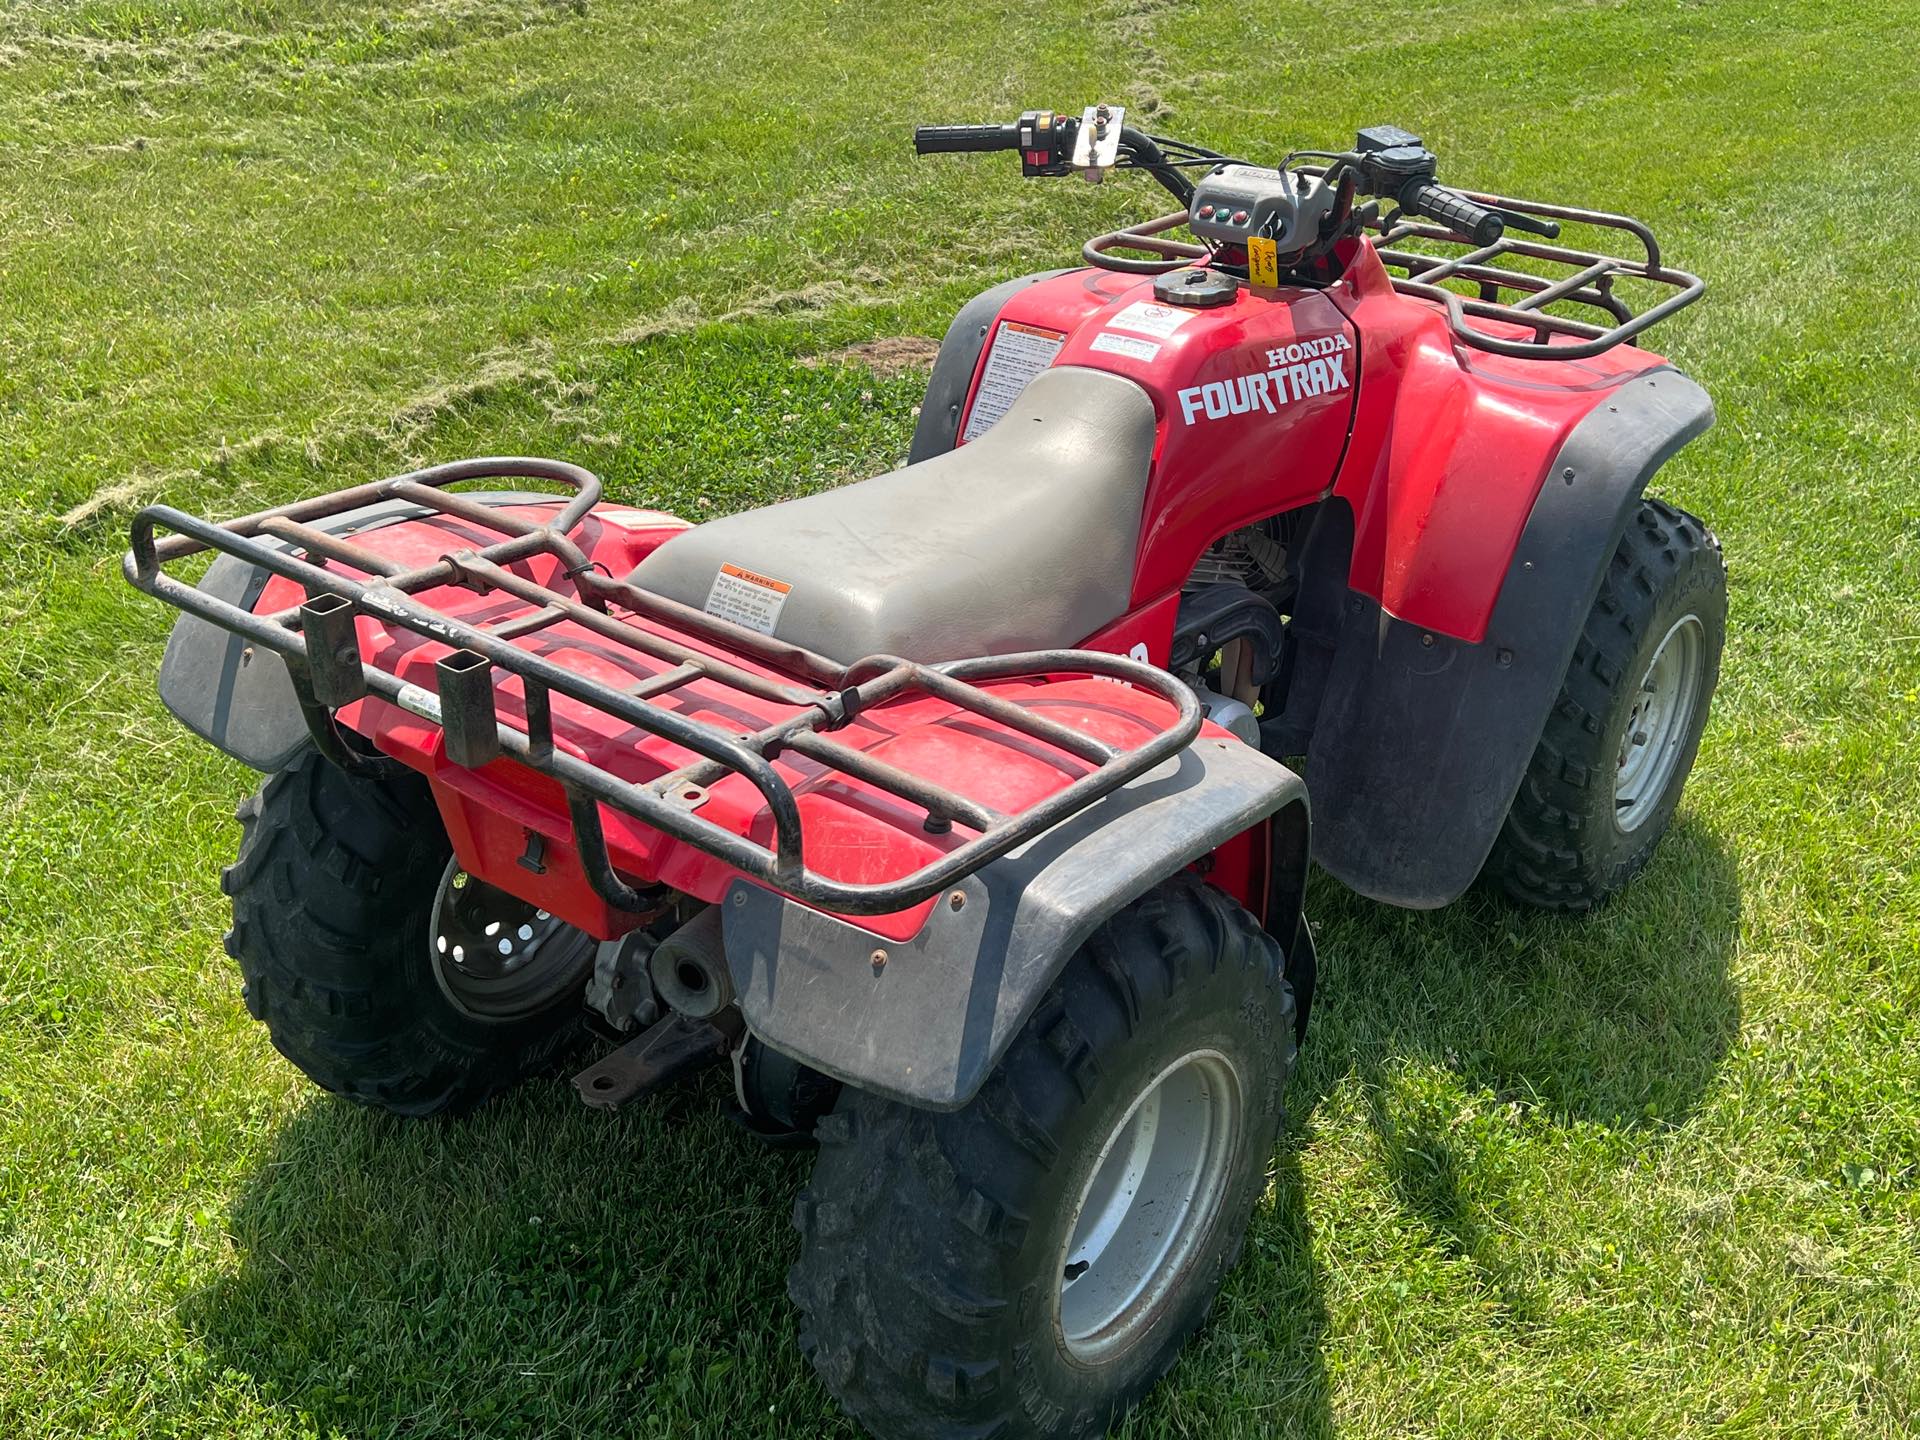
<point x="1254" y="398"/>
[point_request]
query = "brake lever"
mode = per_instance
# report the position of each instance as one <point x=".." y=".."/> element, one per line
<point x="1514" y="220"/>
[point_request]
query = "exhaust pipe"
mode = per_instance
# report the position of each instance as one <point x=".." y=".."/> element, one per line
<point x="689" y="968"/>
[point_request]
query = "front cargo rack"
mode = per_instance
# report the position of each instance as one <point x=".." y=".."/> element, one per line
<point x="1591" y="278"/>
<point x="1591" y="283"/>
<point x="318" y="641"/>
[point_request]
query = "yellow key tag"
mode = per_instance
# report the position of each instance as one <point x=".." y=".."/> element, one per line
<point x="1263" y="262"/>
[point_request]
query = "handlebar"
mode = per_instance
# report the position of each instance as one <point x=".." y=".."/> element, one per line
<point x="961" y="139"/>
<point x="1454" y="210"/>
<point x="1388" y="162"/>
<point x="1046" y="144"/>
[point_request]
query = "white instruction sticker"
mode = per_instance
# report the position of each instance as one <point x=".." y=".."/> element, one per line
<point x="1019" y="353"/>
<point x="423" y="703"/>
<point x="747" y="598"/>
<point x="1143" y="317"/>
<point x="1125" y="345"/>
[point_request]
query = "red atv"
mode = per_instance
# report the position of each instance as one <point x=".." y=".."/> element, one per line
<point x="1012" y="927"/>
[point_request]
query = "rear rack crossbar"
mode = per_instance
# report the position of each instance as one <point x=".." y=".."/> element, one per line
<point x="317" y="640"/>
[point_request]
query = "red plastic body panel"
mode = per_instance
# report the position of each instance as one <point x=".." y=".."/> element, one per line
<point x="509" y="824"/>
<point x="1449" y="450"/>
<point x="1439" y="450"/>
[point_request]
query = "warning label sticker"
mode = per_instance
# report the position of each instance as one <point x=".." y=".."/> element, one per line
<point x="1019" y="353"/>
<point x="747" y="598"/>
<point x="1127" y="345"/>
<point x="1143" y="317"/>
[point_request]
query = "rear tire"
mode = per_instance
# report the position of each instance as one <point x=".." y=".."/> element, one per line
<point x="335" y="893"/>
<point x="943" y="1255"/>
<point x="1614" y="755"/>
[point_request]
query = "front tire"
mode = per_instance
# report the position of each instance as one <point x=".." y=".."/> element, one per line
<point x="1031" y="1264"/>
<point x="343" y="894"/>
<point x="1614" y="756"/>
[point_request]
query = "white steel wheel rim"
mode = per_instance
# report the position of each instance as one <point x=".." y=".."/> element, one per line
<point x="1152" y="1199"/>
<point x="1659" y="722"/>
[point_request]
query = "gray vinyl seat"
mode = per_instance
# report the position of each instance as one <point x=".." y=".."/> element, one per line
<point x="1022" y="539"/>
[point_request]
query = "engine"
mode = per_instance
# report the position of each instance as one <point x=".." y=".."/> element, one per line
<point x="1227" y="640"/>
<point x="1254" y="558"/>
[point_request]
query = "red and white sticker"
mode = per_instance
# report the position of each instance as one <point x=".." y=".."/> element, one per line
<point x="746" y="597"/>
<point x="1019" y="353"/>
<point x="1143" y="317"/>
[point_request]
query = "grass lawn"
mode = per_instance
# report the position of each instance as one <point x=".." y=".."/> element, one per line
<point x="1655" y="1173"/>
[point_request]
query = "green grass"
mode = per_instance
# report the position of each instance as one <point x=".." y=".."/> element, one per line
<point x="1655" y="1173"/>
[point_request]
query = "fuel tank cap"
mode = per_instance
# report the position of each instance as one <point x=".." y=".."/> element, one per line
<point x="1202" y="289"/>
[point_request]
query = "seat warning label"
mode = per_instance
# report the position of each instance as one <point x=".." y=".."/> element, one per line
<point x="747" y="598"/>
<point x="1019" y="353"/>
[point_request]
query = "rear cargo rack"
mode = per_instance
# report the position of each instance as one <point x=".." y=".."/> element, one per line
<point x="1591" y="282"/>
<point x="318" y="641"/>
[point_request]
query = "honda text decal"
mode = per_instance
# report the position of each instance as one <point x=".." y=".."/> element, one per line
<point x="1294" y="372"/>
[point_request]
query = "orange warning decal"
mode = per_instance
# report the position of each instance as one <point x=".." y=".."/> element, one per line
<point x="747" y="598"/>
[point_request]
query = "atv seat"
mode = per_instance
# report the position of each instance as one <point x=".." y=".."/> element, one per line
<point x="1022" y="539"/>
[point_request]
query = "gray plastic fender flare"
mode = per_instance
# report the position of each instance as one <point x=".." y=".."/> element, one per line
<point x="926" y="1021"/>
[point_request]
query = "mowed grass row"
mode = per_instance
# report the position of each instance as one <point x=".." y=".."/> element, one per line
<point x="1648" y="1174"/>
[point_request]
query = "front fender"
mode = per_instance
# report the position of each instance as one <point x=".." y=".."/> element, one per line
<point x="1422" y="739"/>
<point x="926" y="1021"/>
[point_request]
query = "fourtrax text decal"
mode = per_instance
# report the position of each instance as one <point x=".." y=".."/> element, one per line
<point x="1294" y="372"/>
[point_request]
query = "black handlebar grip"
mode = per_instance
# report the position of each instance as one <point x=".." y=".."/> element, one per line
<point x="1453" y="210"/>
<point x="956" y="139"/>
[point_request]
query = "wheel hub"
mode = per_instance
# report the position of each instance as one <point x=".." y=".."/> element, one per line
<point x="497" y="957"/>
<point x="1155" y="1191"/>
<point x="1658" y="723"/>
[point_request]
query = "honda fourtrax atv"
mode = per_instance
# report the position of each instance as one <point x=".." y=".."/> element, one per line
<point x="949" y="807"/>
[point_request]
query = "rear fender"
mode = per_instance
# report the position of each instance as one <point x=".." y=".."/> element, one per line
<point x="241" y="701"/>
<point x="1422" y="738"/>
<point x="925" y="1021"/>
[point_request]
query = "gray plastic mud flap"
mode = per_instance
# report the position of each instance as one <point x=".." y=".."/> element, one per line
<point x="926" y="1020"/>
<point x="239" y="699"/>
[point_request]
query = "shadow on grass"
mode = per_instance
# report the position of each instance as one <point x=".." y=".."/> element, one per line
<point x="540" y="1269"/>
<point x="1461" y="1029"/>
<point x="1618" y="1018"/>
<point x="535" y="1269"/>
